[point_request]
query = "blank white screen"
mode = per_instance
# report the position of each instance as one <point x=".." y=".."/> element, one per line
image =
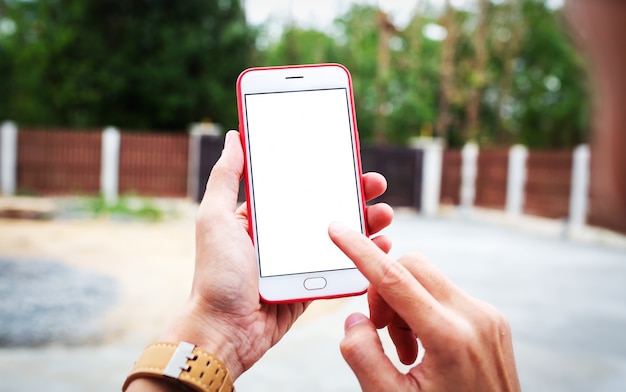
<point x="304" y="177"/>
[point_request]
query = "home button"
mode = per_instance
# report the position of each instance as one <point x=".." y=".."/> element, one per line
<point x="314" y="283"/>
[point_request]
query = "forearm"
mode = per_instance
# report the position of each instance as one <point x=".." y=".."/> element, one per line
<point x="145" y="384"/>
<point x="194" y="325"/>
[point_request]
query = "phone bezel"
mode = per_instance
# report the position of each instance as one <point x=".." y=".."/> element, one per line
<point x="290" y="288"/>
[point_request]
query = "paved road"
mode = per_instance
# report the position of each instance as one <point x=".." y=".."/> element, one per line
<point x="566" y="302"/>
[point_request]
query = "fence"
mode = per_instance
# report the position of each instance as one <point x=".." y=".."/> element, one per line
<point x="451" y="177"/>
<point x="65" y="162"/>
<point x="154" y="165"/>
<point x="207" y="150"/>
<point x="54" y="162"/>
<point x="62" y="162"/>
<point x="548" y="183"/>
<point x="491" y="179"/>
<point x="402" y="168"/>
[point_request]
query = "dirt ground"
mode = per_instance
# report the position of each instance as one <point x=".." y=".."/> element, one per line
<point x="151" y="262"/>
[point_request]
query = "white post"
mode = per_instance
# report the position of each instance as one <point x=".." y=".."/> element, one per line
<point x="431" y="177"/>
<point x="580" y="187"/>
<point x="109" y="170"/>
<point x="469" y="171"/>
<point x="8" y="156"/>
<point x="516" y="180"/>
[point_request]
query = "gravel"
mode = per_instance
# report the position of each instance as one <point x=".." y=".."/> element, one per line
<point x="47" y="301"/>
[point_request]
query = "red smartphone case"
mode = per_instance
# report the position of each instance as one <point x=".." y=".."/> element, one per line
<point x="244" y="144"/>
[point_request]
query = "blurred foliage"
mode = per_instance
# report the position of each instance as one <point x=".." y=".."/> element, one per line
<point x="502" y="72"/>
<point x="531" y="90"/>
<point x="140" y="64"/>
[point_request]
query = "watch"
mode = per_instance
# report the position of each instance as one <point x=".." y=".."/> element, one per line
<point x="193" y="367"/>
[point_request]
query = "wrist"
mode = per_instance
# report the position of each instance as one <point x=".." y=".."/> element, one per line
<point x="196" y="326"/>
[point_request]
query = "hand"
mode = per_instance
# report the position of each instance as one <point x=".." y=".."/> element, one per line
<point x="224" y="315"/>
<point x="467" y="342"/>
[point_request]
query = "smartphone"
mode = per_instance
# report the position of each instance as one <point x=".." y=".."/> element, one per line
<point x="303" y="171"/>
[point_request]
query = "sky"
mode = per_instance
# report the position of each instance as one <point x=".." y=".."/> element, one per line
<point x="320" y="14"/>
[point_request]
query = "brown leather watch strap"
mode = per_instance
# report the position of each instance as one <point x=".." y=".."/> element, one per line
<point x="194" y="367"/>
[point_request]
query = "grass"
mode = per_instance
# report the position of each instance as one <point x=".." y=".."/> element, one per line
<point x="128" y="206"/>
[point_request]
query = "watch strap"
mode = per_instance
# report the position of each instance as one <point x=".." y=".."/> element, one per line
<point x="194" y="367"/>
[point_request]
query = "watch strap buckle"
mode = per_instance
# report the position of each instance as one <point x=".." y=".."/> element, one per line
<point x="178" y="363"/>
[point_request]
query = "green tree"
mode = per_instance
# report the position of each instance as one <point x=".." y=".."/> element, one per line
<point x="300" y="46"/>
<point x="407" y="91"/>
<point x="507" y="72"/>
<point x="533" y="86"/>
<point x="354" y="45"/>
<point x="551" y="107"/>
<point x="415" y="82"/>
<point x="136" y="64"/>
<point x="358" y="46"/>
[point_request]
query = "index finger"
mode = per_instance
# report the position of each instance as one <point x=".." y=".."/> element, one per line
<point x="400" y="289"/>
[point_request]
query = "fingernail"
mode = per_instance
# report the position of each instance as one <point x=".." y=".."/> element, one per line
<point x="229" y="136"/>
<point x="337" y="228"/>
<point x="354" y="319"/>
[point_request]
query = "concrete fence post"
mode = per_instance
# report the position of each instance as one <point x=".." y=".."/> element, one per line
<point x="431" y="175"/>
<point x="8" y="158"/>
<point x="469" y="171"/>
<point x="579" y="191"/>
<point x="516" y="180"/>
<point x="109" y="169"/>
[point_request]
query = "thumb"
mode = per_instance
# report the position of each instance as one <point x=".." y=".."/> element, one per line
<point x="222" y="188"/>
<point x="363" y="351"/>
